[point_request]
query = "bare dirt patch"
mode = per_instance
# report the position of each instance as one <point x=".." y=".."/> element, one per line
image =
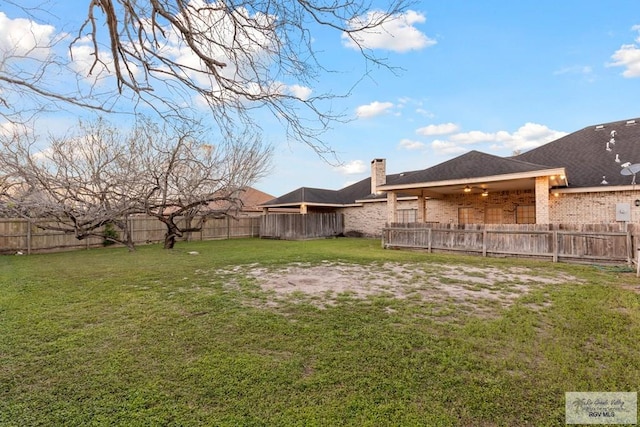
<point x="480" y="289"/>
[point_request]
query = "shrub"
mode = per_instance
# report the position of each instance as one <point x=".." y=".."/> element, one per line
<point x="110" y="234"/>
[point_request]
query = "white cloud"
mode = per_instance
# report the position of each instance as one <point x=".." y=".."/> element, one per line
<point x="441" y="129"/>
<point x="474" y="137"/>
<point x="425" y="113"/>
<point x="574" y="69"/>
<point x="24" y="38"/>
<point x="42" y="156"/>
<point x="531" y="135"/>
<point x="374" y="109"/>
<point x="83" y="62"/>
<point x="352" y="168"/>
<point x="214" y="29"/>
<point x="628" y="56"/>
<point x="398" y="33"/>
<point x="408" y="144"/>
<point x="301" y="92"/>
<point x="528" y="136"/>
<point x="447" y="147"/>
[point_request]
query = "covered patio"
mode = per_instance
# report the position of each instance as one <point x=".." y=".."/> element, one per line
<point x="477" y="188"/>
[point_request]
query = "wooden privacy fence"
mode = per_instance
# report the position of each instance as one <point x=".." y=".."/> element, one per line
<point x="21" y="235"/>
<point x="595" y="243"/>
<point x="301" y="227"/>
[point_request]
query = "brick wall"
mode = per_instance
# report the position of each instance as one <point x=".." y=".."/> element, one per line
<point x="446" y="210"/>
<point x="370" y="219"/>
<point x="591" y="208"/>
<point x="567" y="208"/>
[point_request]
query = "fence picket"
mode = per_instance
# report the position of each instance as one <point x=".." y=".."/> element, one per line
<point x="593" y="242"/>
<point x="22" y="235"/>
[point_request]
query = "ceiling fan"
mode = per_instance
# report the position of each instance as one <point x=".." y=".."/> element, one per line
<point x="469" y="189"/>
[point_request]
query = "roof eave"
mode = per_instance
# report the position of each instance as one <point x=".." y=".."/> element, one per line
<point x="384" y="199"/>
<point x="600" y="189"/>
<point x="476" y="180"/>
<point x="298" y="204"/>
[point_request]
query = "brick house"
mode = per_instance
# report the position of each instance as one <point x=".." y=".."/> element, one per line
<point x="586" y="177"/>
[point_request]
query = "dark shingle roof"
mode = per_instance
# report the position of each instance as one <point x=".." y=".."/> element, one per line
<point x="361" y="190"/>
<point x="473" y="164"/>
<point x="583" y="153"/>
<point x="305" y="195"/>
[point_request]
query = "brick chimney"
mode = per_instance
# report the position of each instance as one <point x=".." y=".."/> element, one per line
<point x="378" y="174"/>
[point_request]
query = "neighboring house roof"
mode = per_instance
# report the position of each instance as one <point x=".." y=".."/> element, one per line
<point x="583" y="153"/>
<point x="305" y="195"/>
<point x="250" y="197"/>
<point x="351" y="194"/>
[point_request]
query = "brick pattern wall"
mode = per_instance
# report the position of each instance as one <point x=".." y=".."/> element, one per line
<point x="591" y="208"/>
<point x="446" y="210"/>
<point x="567" y="208"/>
<point x="369" y="220"/>
<point x="378" y="174"/>
<point x="542" y="200"/>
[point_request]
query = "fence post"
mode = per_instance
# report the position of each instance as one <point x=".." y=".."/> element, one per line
<point x="555" y="245"/>
<point x="29" y="236"/>
<point x="484" y="241"/>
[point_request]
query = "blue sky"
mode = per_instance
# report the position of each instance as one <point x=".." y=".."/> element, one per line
<point x="495" y="76"/>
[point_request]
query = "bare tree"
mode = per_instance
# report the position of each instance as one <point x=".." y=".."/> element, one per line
<point x="232" y="55"/>
<point x="78" y="184"/>
<point x="187" y="176"/>
<point x="100" y="176"/>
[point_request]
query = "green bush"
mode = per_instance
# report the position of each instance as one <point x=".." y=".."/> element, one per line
<point x="110" y="234"/>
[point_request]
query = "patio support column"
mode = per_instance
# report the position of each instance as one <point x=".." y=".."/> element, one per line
<point x="420" y="215"/>
<point x="392" y="206"/>
<point x="542" y="200"/>
<point x="303" y="209"/>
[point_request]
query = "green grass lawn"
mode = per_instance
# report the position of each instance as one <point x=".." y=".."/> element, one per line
<point x="156" y="337"/>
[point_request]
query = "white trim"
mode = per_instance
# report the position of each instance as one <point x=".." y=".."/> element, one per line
<point x="298" y="204"/>
<point x="477" y="180"/>
<point x="404" y="198"/>
<point x="601" y="189"/>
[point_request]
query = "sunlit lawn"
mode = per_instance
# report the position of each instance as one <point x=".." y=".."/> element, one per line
<point x="156" y="337"/>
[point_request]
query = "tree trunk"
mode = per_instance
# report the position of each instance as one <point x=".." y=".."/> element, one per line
<point x="172" y="232"/>
<point x="126" y="233"/>
<point x="169" y="240"/>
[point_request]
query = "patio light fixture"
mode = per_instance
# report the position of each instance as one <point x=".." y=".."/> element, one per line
<point x="467" y="189"/>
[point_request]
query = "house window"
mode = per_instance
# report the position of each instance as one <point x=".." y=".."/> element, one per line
<point x="465" y="215"/>
<point x="526" y="214"/>
<point x="406" y="215"/>
<point x="493" y="215"/>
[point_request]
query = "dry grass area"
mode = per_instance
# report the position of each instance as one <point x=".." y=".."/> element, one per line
<point x="480" y="290"/>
